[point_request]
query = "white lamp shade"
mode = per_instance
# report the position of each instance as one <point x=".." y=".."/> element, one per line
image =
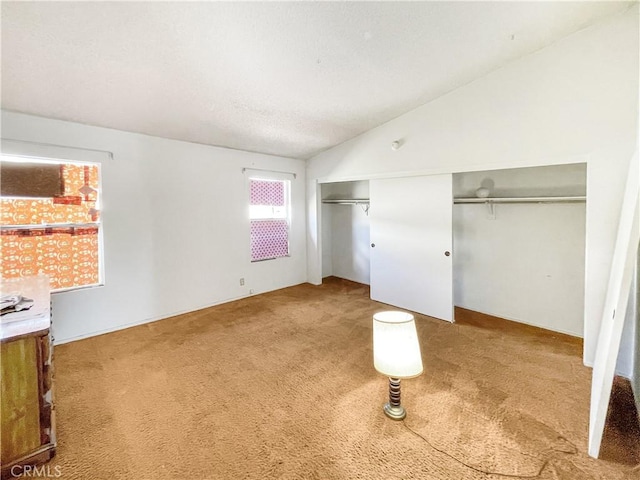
<point x="396" y="350"/>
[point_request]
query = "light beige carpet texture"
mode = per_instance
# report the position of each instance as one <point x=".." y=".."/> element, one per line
<point x="282" y="386"/>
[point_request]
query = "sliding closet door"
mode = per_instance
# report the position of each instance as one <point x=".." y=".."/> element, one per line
<point x="411" y="239"/>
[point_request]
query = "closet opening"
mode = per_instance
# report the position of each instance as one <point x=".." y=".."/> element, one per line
<point x="519" y="245"/>
<point x="345" y="231"/>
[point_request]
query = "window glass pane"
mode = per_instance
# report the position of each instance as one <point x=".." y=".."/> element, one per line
<point x="77" y="205"/>
<point x="269" y="239"/>
<point x="68" y="254"/>
<point x="267" y="211"/>
<point x="267" y="192"/>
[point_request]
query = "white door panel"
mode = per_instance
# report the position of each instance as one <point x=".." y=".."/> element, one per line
<point x="411" y="231"/>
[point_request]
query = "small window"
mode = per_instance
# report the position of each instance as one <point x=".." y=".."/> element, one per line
<point x="50" y="221"/>
<point x="269" y="209"/>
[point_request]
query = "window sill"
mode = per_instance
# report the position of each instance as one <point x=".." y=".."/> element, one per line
<point x="272" y="258"/>
<point x="73" y="289"/>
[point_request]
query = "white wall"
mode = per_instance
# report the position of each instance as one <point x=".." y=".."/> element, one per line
<point x="176" y="228"/>
<point x="350" y="243"/>
<point x="345" y="233"/>
<point x="576" y="100"/>
<point x="526" y="265"/>
<point x="556" y="180"/>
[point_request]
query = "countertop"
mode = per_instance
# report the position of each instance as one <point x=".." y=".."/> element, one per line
<point x="9" y="330"/>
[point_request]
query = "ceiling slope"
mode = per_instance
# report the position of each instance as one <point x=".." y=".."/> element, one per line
<point x="289" y="79"/>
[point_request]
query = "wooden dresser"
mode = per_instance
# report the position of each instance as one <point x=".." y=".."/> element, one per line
<point x="26" y="393"/>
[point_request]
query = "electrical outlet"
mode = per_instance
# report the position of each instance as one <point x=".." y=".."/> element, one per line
<point x="242" y="282"/>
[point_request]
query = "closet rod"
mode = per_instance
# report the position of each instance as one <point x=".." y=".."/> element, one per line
<point x="244" y="169"/>
<point x="573" y="199"/>
<point x="348" y="201"/>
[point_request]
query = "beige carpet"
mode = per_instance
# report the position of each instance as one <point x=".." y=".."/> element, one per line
<point x="282" y="385"/>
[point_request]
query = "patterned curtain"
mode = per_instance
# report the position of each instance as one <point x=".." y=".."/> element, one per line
<point x="269" y="236"/>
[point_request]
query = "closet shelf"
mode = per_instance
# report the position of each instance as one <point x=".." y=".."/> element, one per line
<point x="347" y="201"/>
<point x="572" y="199"/>
<point x="568" y="199"/>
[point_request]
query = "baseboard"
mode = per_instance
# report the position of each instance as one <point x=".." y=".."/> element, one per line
<point x="345" y="278"/>
<point x="511" y="319"/>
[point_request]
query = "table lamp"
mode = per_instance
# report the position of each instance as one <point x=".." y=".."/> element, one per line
<point x="396" y="354"/>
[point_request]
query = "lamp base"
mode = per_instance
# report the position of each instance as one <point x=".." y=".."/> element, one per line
<point x="394" y="409"/>
<point x="395" y="412"/>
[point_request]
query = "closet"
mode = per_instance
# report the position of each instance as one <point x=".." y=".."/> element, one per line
<point x="394" y="234"/>
<point x="519" y="253"/>
<point x="345" y="231"/>
<point x="508" y="243"/>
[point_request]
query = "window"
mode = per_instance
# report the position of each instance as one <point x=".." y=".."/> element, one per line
<point x="50" y="221"/>
<point x="269" y="208"/>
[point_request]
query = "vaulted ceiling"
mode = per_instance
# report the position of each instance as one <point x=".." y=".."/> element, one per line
<point x="290" y="79"/>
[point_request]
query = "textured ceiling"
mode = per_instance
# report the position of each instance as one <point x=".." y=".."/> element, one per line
<point x="290" y="79"/>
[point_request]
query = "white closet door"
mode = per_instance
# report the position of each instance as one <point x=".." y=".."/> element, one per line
<point x="411" y="239"/>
